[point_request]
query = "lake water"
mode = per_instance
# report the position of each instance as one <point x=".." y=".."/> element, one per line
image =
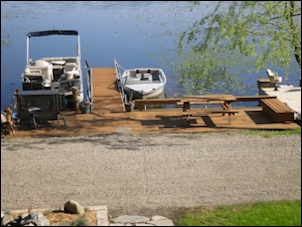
<point x="136" y="34"/>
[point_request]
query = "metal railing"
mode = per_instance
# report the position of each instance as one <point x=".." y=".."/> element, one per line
<point x="118" y="80"/>
<point x="89" y="84"/>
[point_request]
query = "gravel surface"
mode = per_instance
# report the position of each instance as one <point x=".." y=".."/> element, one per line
<point x="134" y="174"/>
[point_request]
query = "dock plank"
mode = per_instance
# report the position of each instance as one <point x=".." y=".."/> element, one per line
<point x="106" y="97"/>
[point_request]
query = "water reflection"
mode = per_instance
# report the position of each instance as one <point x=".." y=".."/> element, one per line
<point x="136" y="34"/>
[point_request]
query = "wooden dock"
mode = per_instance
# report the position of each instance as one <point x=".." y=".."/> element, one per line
<point x="108" y="116"/>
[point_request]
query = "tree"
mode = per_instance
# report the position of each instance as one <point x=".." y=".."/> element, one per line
<point x="238" y="36"/>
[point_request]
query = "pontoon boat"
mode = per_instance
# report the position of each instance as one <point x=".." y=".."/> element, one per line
<point x="54" y="73"/>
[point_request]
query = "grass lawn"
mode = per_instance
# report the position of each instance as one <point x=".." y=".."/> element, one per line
<point x="269" y="133"/>
<point x="282" y="213"/>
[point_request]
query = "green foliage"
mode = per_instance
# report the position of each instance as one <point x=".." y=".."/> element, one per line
<point x="81" y="221"/>
<point x="7" y="212"/>
<point x="269" y="133"/>
<point x="236" y="37"/>
<point x="282" y="213"/>
<point x="47" y="212"/>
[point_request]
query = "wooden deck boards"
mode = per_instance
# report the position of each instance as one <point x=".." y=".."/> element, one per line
<point x="108" y="116"/>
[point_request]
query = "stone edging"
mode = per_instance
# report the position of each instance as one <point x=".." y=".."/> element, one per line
<point x="101" y="213"/>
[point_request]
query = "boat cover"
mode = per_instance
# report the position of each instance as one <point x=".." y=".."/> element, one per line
<point x="52" y="32"/>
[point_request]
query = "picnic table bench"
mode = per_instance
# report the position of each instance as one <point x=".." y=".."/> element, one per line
<point x="141" y="102"/>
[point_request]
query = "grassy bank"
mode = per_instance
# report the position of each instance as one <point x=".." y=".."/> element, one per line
<point x="281" y="213"/>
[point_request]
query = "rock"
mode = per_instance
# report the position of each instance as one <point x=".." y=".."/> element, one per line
<point x="166" y="222"/>
<point x="38" y="219"/>
<point x="6" y="219"/>
<point x="131" y="219"/>
<point x="22" y="216"/>
<point x="157" y="217"/>
<point x="73" y="207"/>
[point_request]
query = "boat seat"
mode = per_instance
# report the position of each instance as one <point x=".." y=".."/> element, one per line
<point x="41" y="67"/>
<point x="146" y="76"/>
<point x="274" y="78"/>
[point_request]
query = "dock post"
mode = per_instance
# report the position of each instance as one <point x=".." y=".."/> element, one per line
<point x="75" y="91"/>
<point x="17" y="103"/>
<point x="9" y="123"/>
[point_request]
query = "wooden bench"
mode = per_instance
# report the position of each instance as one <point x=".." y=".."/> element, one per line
<point x="277" y="110"/>
<point x="141" y="102"/>
<point x="253" y="98"/>
<point x="229" y="112"/>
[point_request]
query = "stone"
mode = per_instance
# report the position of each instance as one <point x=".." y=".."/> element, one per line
<point x="166" y="222"/>
<point x="157" y="217"/>
<point x="102" y="223"/>
<point x="143" y="224"/>
<point x="22" y="216"/>
<point x="38" y="219"/>
<point x="6" y="219"/>
<point x="73" y="207"/>
<point x="102" y="214"/>
<point x="131" y="219"/>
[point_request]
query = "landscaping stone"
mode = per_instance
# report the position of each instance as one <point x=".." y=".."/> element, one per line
<point x="6" y="219"/>
<point x="143" y="224"/>
<point x="130" y="219"/>
<point x="166" y="222"/>
<point x="73" y="207"/>
<point x="31" y="219"/>
<point x="38" y="219"/>
<point x="157" y="217"/>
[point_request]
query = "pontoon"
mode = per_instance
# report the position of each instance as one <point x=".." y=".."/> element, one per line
<point x="54" y="73"/>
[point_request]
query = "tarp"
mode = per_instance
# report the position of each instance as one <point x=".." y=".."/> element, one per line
<point x="52" y="32"/>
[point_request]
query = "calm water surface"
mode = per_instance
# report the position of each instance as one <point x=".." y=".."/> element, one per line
<point x="136" y="34"/>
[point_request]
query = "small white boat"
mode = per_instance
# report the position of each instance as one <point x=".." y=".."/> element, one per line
<point x="145" y="83"/>
<point x="54" y="73"/>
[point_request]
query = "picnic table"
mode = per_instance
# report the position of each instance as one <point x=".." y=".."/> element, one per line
<point x="224" y="100"/>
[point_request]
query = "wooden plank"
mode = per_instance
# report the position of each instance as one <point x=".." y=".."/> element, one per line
<point x="205" y="98"/>
<point x="202" y="102"/>
<point x="253" y="98"/>
<point x="106" y="97"/>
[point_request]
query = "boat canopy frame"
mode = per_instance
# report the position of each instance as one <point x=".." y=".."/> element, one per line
<point x="52" y="32"/>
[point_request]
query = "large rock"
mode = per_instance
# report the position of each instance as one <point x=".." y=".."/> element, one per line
<point x="38" y="219"/>
<point x="6" y="219"/>
<point x="73" y="207"/>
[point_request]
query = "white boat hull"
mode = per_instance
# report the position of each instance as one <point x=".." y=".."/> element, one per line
<point x="159" y="93"/>
<point x="144" y="83"/>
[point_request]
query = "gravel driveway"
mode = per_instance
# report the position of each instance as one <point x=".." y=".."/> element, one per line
<point x="131" y="173"/>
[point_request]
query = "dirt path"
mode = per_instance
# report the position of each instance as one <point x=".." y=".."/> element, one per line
<point x="143" y="174"/>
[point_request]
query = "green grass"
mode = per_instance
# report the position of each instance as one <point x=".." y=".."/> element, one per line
<point x="81" y="221"/>
<point x="269" y="133"/>
<point x="265" y="133"/>
<point x="282" y="213"/>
